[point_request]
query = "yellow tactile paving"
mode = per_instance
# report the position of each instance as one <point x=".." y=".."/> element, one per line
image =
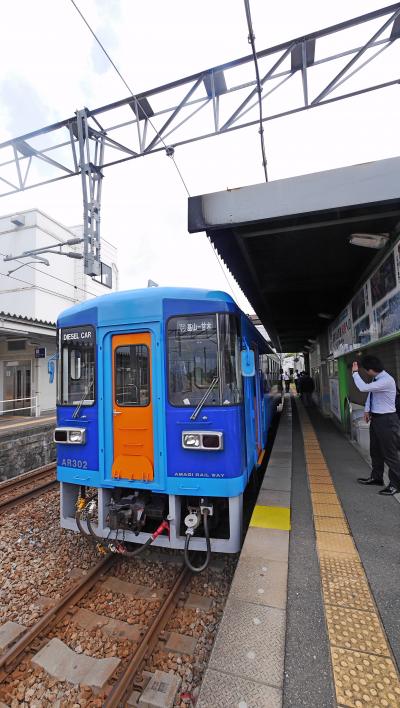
<point x="321" y="487"/>
<point x="335" y="544"/>
<point x="324" y="498"/>
<point x="271" y="517"/>
<point x="363" y="680"/>
<point x="355" y="629"/>
<point x="320" y="476"/>
<point x="365" y="674"/>
<point x="331" y="510"/>
<point x="344" y="584"/>
<point x="331" y="525"/>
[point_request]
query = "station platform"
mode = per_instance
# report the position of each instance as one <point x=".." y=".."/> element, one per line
<point x="13" y="423"/>
<point x="313" y="615"/>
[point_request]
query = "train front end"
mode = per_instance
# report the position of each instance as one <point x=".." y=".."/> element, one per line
<point x="152" y="432"/>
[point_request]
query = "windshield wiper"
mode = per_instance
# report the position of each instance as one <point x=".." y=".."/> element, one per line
<point x="203" y="400"/>
<point x="85" y="393"/>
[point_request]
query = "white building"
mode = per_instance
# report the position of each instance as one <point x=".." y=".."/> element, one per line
<point x="31" y="297"/>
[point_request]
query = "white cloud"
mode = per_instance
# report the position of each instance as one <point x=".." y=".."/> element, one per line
<point x="50" y="66"/>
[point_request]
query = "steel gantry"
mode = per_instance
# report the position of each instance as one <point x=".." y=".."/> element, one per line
<point x="165" y="117"/>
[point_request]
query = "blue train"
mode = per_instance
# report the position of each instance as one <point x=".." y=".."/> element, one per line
<point x="164" y="401"/>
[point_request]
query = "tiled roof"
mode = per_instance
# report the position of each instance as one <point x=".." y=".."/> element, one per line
<point x="21" y="318"/>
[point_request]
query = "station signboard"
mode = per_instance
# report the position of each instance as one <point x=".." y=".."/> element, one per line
<point x="40" y="352"/>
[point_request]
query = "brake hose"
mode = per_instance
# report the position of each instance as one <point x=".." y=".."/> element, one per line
<point x="99" y="539"/>
<point x="202" y="567"/>
<point x="78" y="515"/>
<point x="127" y="554"/>
<point x="164" y="526"/>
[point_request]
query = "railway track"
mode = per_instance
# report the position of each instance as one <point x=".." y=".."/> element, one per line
<point x="52" y="617"/>
<point x="16" y="491"/>
<point x="121" y="690"/>
<point x="53" y="621"/>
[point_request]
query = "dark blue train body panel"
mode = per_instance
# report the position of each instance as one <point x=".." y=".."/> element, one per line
<point x="221" y="473"/>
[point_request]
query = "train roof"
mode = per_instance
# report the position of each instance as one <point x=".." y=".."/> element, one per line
<point x="128" y="301"/>
<point x="117" y="307"/>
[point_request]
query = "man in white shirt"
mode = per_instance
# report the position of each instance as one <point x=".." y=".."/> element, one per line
<point x="286" y="379"/>
<point x="380" y="412"/>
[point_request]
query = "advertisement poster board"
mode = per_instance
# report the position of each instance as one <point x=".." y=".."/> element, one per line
<point x="335" y="401"/>
<point x="341" y="333"/>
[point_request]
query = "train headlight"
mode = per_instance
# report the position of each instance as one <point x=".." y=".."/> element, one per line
<point x="191" y="440"/>
<point x="77" y="437"/>
<point x="210" y="440"/>
<point x="70" y="436"/>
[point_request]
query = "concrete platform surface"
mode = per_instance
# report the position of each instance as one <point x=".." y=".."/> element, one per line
<point x="313" y="615"/>
<point x="10" y="423"/>
<point x="246" y="667"/>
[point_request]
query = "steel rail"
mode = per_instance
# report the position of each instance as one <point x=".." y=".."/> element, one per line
<point x="52" y="617"/>
<point x="29" y="478"/>
<point x="8" y="504"/>
<point x="120" y="690"/>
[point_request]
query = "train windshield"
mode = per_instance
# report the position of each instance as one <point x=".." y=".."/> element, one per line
<point x="77" y="360"/>
<point x="200" y="349"/>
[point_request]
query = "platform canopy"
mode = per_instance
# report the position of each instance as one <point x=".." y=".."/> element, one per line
<point x="287" y="242"/>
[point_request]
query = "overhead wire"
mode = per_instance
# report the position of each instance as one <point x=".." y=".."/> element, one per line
<point x="31" y="285"/>
<point x="48" y="275"/>
<point x="252" y="41"/>
<point x="168" y="148"/>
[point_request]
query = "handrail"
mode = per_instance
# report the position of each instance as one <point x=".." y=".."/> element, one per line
<point x="31" y="401"/>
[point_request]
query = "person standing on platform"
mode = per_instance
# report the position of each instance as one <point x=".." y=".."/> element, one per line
<point x="380" y="412"/>
<point x="306" y="389"/>
<point x="286" y="379"/>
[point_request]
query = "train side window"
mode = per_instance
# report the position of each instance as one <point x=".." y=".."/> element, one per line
<point x="75" y="364"/>
<point x="230" y="354"/>
<point x="77" y="355"/>
<point x="132" y="375"/>
<point x="193" y="359"/>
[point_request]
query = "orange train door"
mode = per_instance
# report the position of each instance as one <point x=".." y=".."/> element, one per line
<point x="132" y="407"/>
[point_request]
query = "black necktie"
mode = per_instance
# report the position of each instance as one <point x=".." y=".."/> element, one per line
<point x="371" y="397"/>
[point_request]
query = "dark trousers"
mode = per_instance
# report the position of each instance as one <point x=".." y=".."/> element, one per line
<point x="307" y="399"/>
<point x="384" y="441"/>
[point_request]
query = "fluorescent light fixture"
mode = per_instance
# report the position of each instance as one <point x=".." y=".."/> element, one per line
<point x="325" y="315"/>
<point x="369" y="240"/>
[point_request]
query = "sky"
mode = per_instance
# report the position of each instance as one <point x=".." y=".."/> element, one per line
<point x="50" y="66"/>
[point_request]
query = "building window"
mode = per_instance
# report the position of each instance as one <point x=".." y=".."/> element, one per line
<point x="16" y="345"/>
<point x="105" y="277"/>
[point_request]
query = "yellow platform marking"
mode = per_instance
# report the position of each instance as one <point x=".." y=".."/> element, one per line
<point x="330" y="510"/>
<point x="321" y="487"/>
<point x="365" y="673"/>
<point x="324" y="498"/>
<point x="335" y="543"/>
<point x="271" y="517"/>
<point x="322" y="523"/>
